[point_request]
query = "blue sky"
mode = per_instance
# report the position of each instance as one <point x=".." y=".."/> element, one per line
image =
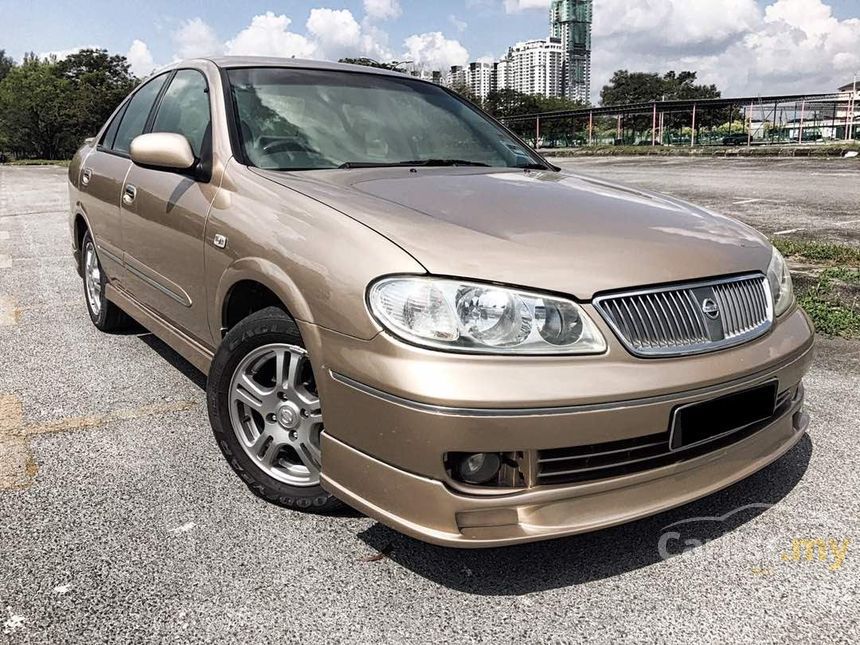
<point x="39" y="25"/>
<point x="743" y="45"/>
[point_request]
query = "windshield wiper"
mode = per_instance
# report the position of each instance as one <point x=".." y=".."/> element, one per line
<point x="414" y="162"/>
<point x="532" y="166"/>
<point x="447" y="162"/>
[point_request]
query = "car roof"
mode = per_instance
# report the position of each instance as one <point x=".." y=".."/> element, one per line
<point x="298" y="63"/>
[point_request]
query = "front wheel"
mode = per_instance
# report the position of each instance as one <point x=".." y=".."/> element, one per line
<point x="265" y="411"/>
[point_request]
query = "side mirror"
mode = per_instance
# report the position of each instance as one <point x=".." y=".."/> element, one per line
<point x="163" y="151"/>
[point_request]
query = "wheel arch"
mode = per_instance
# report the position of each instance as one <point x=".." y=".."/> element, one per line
<point x="252" y="284"/>
<point x="80" y="226"/>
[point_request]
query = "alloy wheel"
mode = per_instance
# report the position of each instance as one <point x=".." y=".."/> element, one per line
<point x="275" y="413"/>
<point x="93" y="279"/>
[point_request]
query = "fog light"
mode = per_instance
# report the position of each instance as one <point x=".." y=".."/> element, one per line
<point x="478" y="468"/>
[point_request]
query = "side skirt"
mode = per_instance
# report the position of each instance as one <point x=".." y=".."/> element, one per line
<point x="192" y="351"/>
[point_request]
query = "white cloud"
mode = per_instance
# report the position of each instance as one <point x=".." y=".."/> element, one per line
<point x="140" y="58"/>
<point x="269" y="35"/>
<point x="434" y="51"/>
<point x="653" y="24"/>
<point x="382" y="9"/>
<point x="790" y="46"/>
<point x="515" y="6"/>
<point x="195" y="38"/>
<point x="329" y="34"/>
<point x="337" y="34"/>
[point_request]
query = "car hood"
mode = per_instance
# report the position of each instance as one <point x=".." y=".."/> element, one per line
<point x="540" y="229"/>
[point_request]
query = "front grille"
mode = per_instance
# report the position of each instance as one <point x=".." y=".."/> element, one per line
<point x="691" y="318"/>
<point x="594" y="462"/>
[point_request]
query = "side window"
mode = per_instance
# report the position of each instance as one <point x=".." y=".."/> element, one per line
<point x="110" y="133"/>
<point x="184" y="109"/>
<point x="136" y="114"/>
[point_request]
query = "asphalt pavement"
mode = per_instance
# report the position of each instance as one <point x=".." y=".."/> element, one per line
<point x="806" y="198"/>
<point x="121" y="522"/>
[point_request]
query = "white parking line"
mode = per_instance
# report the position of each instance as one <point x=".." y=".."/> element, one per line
<point x="8" y="312"/>
<point x="5" y="262"/>
<point x="853" y="221"/>
<point x="787" y="231"/>
<point x="755" y="200"/>
<point x="4" y="235"/>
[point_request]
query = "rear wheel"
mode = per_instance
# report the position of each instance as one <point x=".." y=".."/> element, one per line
<point x="106" y="316"/>
<point x="265" y="411"/>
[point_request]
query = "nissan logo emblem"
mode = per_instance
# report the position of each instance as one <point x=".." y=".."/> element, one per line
<point x="710" y="309"/>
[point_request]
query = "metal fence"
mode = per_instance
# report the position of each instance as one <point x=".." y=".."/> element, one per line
<point x="749" y="121"/>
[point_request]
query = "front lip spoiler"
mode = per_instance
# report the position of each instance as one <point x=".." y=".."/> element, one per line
<point x="749" y="379"/>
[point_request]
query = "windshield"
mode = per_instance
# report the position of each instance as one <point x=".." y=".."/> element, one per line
<point x="297" y="119"/>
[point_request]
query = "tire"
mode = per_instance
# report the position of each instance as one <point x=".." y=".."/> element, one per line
<point x="106" y="316"/>
<point x="267" y="426"/>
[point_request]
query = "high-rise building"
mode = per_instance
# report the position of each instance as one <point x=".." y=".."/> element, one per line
<point x="456" y="77"/>
<point x="477" y="77"/>
<point x="570" y="22"/>
<point x="533" y="67"/>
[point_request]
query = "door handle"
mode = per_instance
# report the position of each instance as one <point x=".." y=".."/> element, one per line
<point x="128" y="195"/>
<point x="86" y="175"/>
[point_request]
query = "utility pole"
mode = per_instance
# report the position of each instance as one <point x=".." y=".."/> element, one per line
<point x="591" y="128"/>
<point x="852" y="107"/>
<point x="654" y="126"/>
<point x="693" y="128"/>
<point x="802" y="114"/>
<point x="749" y="127"/>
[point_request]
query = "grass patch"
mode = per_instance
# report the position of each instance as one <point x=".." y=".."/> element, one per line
<point x="831" y="318"/>
<point x="823" y="252"/>
<point x="830" y="292"/>
<point x="832" y="301"/>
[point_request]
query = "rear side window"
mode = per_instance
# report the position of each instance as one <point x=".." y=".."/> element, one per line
<point x="110" y="133"/>
<point x="184" y="109"/>
<point x="136" y="114"/>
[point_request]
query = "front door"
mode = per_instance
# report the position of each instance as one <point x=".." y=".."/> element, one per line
<point x="103" y="175"/>
<point x="164" y="215"/>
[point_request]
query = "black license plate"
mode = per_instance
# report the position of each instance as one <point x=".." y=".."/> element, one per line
<point x="699" y="422"/>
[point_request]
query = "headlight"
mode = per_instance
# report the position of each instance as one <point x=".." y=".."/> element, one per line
<point x="779" y="278"/>
<point x="473" y="317"/>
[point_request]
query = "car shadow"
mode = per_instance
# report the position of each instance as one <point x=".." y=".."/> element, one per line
<point x="198" y="378"/>
<point x="593" y="556"/>
<point x="175" y="359"/>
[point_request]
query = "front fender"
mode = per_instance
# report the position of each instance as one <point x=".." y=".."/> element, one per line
<point x="266" y="273"/>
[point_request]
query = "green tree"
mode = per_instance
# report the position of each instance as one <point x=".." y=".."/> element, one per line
<point x="48" y="107"/>
<point x="643" y="87"/>
<point x="6" y="64"/>
<point x="98" y="83"/>
<point x="507" y="102"/>
<point x="33" y="112"/>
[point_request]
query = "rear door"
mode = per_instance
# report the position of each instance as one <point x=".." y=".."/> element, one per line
<point x="164" y="213"/>
<point x="104" y="171"/>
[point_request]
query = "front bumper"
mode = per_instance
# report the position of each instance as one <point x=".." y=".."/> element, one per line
<point x="383" y="448"/>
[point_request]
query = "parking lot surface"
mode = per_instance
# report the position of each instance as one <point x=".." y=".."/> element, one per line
<point x="806" y="198"/>
<point x="121" y="522"/>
